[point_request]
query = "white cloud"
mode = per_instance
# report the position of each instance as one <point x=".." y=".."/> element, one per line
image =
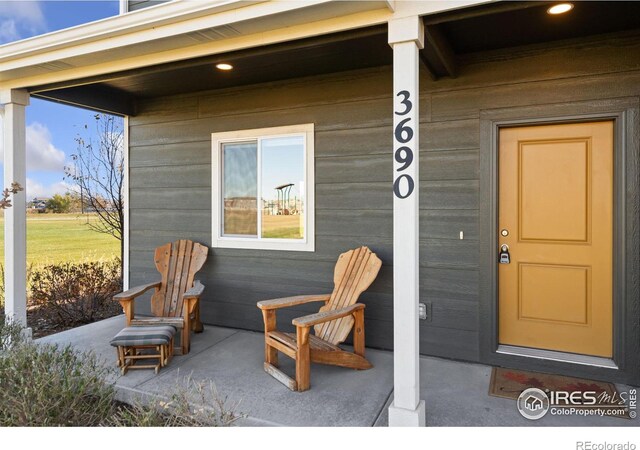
<point x="41" y="153"/>
<point x="20" y="19"/>
<point x="37" y="189"/>
<point x="8" y="31"/>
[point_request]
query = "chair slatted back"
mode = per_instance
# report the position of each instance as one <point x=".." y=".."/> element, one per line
<point x="354" y="273"/>
<point x="178" y="262"/>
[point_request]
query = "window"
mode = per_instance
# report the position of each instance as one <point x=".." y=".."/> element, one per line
<point x="263" y="188"/>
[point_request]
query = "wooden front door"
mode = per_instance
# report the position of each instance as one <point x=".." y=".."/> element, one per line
<point x="556" y="209"/>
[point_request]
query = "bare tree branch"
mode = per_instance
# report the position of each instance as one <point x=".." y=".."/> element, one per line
<point x="97" y="171"/>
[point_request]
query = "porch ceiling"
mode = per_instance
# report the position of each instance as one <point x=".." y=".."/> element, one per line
<point x="349" y="50"/>
<point x="530" y="24"/>
<point x="343" y="51"/>
<point x="509" y="24"/>
<point x="451" y="37"/>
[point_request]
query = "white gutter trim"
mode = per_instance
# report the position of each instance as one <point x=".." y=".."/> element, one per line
<point x="151" y="18"/>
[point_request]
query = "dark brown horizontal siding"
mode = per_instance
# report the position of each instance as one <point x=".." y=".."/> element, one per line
<point x="170" y="160"/>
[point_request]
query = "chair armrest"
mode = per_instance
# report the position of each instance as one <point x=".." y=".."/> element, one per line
<point x="285" y="302"/>
<point x="326" y="316"/>
<point x="136" y="291"/>
<point x="191" y="298"/>
<point x="195" y="291"/>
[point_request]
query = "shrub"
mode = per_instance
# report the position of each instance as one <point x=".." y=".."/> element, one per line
<point x="44" y="385"/>
<point x="76" y="293"/>
<point x="192" y="404"/>
<point x="10" y="334"/>
<point x="59" y="204"/>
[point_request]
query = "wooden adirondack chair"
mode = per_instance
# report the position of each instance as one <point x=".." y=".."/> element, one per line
<point x="354" y="273"/>
<point x="176" y="297"/>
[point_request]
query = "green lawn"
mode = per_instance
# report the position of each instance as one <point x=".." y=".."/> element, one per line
<point x="54" y="238"/>
<point x="282" y="227"/>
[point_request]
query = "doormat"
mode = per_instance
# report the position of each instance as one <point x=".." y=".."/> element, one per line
<point x="509" y="383"/>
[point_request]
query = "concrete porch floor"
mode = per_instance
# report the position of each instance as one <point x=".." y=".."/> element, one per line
<point x="455" y="392"/>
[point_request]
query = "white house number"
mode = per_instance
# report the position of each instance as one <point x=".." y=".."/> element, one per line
<point x="403" y="155"/>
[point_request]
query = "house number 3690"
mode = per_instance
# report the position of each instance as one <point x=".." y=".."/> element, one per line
<point x="403" y="185"/>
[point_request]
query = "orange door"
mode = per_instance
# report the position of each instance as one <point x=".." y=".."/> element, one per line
<point x="556" y="209"/>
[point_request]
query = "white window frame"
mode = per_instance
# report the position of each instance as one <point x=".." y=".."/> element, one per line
<point x="307" y="244"/>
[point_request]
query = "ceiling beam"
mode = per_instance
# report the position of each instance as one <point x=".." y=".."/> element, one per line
<point x="97" y="98"/>
<point x="425" y="63"/>
<point x="440" y="50"/>
<point x="482" y="10"/>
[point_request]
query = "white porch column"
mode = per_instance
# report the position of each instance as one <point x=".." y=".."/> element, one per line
<point x="124" y="6"/>
<point x="406" y="36"/>
<point x="15" y="218"/>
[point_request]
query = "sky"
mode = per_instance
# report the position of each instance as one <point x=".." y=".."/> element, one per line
<point x="282" y="162"/>
<point x="51" y="127"/>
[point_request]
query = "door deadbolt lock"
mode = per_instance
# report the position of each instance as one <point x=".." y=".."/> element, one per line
<point x="504" y="232"/>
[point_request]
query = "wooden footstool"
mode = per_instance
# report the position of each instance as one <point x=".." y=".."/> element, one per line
<point x="139" y="343"/>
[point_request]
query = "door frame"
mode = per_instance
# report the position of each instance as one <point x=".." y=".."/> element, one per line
<point x="625" y="113"/>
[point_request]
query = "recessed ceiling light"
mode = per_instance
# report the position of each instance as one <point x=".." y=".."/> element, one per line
<point x="224" y="66"/>
<point x="560" y="8"/>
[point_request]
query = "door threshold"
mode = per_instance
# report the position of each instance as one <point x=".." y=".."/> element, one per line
<point x="573" y="358"/>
